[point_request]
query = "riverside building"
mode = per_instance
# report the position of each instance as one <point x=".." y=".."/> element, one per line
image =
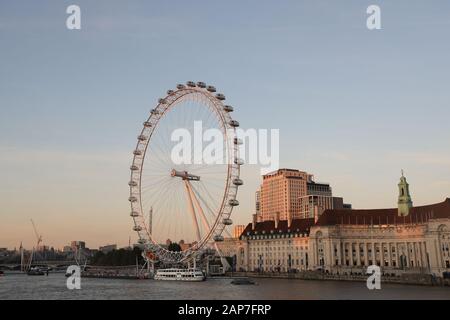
<point x="403" y="239"/>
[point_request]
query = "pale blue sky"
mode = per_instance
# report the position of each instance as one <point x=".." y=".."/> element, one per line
<point x="353" y="106"/>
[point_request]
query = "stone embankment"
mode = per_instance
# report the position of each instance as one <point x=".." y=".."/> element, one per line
<point x="413" y="279"/>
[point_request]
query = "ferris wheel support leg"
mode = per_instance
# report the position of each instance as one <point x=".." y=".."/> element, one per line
<point x="191" y="209"/>
<point x="198" y="206"/>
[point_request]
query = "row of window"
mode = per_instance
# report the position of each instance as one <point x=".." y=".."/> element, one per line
<point x="277" y="236"/>
<point x="274" y="262"/>
<point x="257" y="254"/>
<point x="268" y="248"/>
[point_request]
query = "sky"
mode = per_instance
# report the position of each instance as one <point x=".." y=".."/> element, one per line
<point x="354" y="106"/>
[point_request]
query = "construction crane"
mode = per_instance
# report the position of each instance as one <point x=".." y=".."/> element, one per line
<point x="38" y="237"/>
<point x="39" y="240"/>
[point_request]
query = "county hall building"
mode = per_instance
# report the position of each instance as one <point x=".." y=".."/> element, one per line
<point x="402" y="239"/>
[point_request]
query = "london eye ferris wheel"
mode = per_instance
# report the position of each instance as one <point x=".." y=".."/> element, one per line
<point x="191" y="200"/>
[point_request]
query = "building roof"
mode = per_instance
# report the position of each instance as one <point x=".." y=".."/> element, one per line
<point x="384" y="216"/>
<point x="268" y="227"/>
<point x="282" y="170"/>
<point x="353" y="217"/>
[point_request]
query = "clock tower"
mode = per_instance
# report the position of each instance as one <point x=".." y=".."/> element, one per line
<point x="404" y="198"/>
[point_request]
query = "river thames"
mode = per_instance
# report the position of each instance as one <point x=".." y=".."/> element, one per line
<point x="18" y="286"/>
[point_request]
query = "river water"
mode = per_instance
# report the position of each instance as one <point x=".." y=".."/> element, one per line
<point x="19" y="286"/>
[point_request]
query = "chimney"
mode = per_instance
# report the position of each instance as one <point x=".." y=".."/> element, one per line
<point x="316" y="213"/>
<point x="277" y="219"/>
<point x="255" y="217"/>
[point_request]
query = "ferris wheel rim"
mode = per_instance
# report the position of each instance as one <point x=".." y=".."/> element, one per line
<point x="228" y="202"/>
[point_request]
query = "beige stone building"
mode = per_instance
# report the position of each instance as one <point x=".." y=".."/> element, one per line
<point x="350" y="241"/>
<point x="402" y="239"/>
<point x="275" y="246"/>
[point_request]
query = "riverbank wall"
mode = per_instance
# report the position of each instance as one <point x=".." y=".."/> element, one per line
<point x="411" y="279"/>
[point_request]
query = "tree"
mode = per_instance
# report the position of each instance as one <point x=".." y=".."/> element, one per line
<point x="174" y="247"/>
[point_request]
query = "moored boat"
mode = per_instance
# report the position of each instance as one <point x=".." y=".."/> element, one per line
<point x="242" y="281"/>
<point x="36" y="272"/>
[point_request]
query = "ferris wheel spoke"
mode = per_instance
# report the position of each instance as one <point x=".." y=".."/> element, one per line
<point x="160" y="155"/>
<point x="208" y="207"/>
<point x="199" y="208"/>
<point x="150" y="182"/>
<point x="192" y="211"/>
<point x="156" y="197"/>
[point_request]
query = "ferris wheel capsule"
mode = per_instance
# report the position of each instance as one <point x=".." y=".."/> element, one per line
<point x="134" y="167"/>
<point x="170" y="92"/>
<point x="132" y="183"/>
<point x="134" y="214"/>
<point x="227" y="221"/>
<point x="201" y="84"/>
<point x="132" y="199"/>
<point x="211" y="88"/>
<point x="233" y="203"/>
<point x="238" y="182"/>
<point x="147" y="124"/>
<point x="234" y="123"/>
<point x="220" y="96"/>
<point x="137" y="228"/>
<point x="180" y="86"/>
<point x="137" y="152"/>
<point x="218" y="238"/>
<point x="190" y="84"/>
<point x="142" y="137"/>
<point x="228" y="108"/>
<point x="142" y="241"/>
<point x="161" y="100"/>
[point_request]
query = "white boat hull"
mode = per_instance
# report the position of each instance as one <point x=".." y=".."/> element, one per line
<point x="180" y="279"/>
<point x="188" y="275"/>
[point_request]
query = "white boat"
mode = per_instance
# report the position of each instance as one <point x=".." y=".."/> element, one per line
<point x="174" y="274"/>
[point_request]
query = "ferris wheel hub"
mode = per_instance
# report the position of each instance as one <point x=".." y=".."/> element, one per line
<point x="184" y="175"/>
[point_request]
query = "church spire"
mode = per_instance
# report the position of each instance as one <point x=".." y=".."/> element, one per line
<point x="404" y="198"/>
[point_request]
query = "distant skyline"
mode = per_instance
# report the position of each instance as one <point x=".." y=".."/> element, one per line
<point x="353" y="106"/>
